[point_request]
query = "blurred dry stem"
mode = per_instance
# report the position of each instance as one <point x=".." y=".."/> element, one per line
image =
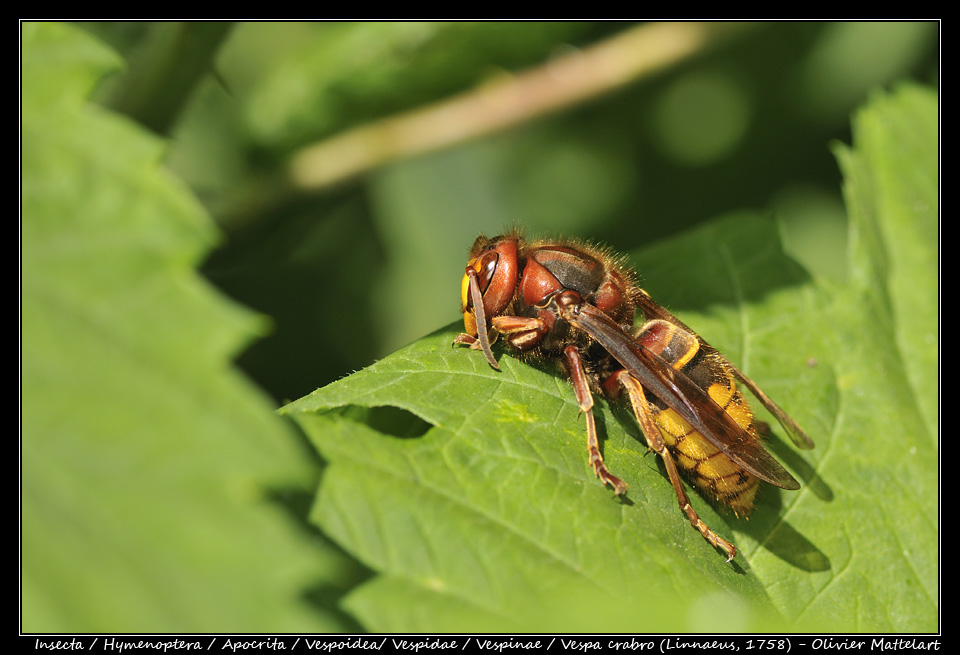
<point x="560" y="83"/>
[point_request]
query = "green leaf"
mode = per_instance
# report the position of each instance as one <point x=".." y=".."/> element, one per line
<point x="892" y="187"/>
<point x="468" y="490"/>
<point x="149" y="467"/>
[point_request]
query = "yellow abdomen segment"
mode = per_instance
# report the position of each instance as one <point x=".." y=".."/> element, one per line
<point x="707" y="468"/>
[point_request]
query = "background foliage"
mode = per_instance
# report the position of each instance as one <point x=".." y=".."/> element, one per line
<point x="159" y="491"/>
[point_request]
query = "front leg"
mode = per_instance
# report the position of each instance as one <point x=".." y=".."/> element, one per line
<point x="521" y="332"/>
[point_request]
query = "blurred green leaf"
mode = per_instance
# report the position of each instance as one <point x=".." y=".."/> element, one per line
<point x="332" y="76"/>
<point x="468" y="491"/>
<point x="162" y="70"/>
<point x="151" y="471"/>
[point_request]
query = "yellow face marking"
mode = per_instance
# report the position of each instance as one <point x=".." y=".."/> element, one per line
<point x="469" y="318"/>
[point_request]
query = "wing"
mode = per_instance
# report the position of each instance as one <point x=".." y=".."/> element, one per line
<point x="682" y="395"/>
<point x="652" y="310"/>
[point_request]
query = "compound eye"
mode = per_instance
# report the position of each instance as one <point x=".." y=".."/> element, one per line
<point x="485" y="266"/>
